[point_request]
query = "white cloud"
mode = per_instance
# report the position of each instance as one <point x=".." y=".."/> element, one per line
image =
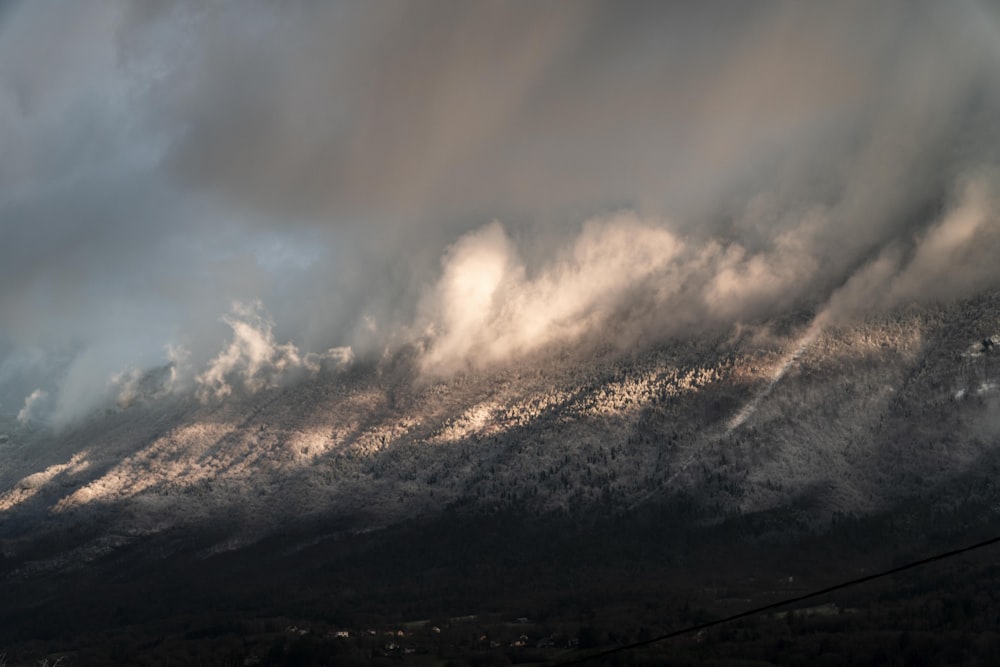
<point x="36" y="407"/>
<point x="253" y="359"/>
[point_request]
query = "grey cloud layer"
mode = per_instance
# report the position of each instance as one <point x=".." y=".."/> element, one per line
<point x="343" y="163"/>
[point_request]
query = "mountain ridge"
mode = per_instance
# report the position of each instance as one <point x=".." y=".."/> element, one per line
<point x="862" y="417"/>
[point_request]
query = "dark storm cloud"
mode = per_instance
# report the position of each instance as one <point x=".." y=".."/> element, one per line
<point x="661" y="166"/>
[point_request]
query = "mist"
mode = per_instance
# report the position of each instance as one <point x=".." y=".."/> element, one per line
<point x="210" y="197"/>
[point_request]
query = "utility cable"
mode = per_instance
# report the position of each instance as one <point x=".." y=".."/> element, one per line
<point x="775" y="605"/>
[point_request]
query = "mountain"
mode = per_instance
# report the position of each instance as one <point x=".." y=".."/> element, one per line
<point x="873" y="437"/>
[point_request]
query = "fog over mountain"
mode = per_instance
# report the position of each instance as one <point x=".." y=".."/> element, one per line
<point x="242" y="189"/>
<point x="507" y="328"/>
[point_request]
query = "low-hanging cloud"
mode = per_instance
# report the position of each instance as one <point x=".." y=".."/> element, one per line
<point x="637" y="282"/>
<point x="951" y="257"/>
<point x="253" y="359"/>
<point x="633" y="279"/>
<point x="487" y="308"/>
<point x="654" y="169"/>
<point x="34" y="407"/>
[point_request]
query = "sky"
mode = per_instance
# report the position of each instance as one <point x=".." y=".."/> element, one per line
<point x="235" y="193"/>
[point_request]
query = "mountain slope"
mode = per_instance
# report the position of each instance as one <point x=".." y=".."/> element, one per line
<point x="855" y="421"/>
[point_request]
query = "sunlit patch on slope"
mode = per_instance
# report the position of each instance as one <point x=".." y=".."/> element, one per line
<point x="606" y="399"/>
<point x="179" y="459"/>
<point x="29" y="486"/>
<point x="636" y="391"/>
<point x="782" y="367"/>
<point x="477" y="420"/>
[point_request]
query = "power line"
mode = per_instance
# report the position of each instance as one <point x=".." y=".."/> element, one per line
<point x="775" y="605"/>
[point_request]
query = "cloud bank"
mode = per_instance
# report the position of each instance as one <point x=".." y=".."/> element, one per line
<point x="480" y="179"/>
<point x="635" y="282"/>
